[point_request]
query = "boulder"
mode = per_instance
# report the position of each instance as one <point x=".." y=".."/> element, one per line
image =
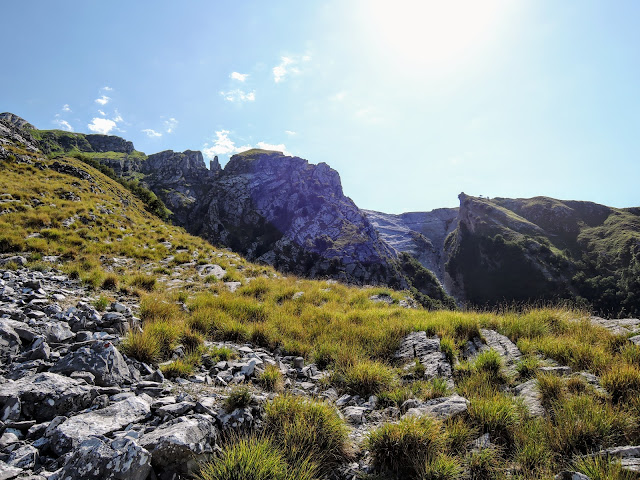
<point x="9" y="342"/>
<point x="7" y="472"/>
<point x="102" y="459"/>
<point x="24" y="457"/>
<point x="501" y="344"/>
<point x="442" y="408"/>
<point x="102" y="359"/>
<point x="178" y="444"/>
<point x="354" y="415"/>
<point x="75" y="430"/>
<point x="530" y="394"/>
<point x="45" y="395"/>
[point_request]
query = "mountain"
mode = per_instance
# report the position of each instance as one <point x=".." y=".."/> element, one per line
<point x="271" y="208"/>
<point x="130" y="348"/>
<point x="286" y="212"/>
<point x="490" y="252"/>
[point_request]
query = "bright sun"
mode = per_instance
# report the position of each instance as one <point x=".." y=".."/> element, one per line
<point x="431" y="35"/>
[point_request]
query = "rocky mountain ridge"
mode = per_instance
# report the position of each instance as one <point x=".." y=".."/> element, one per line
<point x="272" y="208"/>
<point x="294" y="215"/>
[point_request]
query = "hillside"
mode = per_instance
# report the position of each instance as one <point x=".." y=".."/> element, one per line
<point x="491" y="252"/>
<point x="131" y="349"/>
<point x="542" y="248"/>
<point x="273" y="209"/>
<point x="285" y="212"/>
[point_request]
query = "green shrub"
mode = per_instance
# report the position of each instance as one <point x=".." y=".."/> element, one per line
<point x="110" y="282"/>
<point x="305" y="428"/>
<point x="581" y="424"/>
<point x="221" y="353"/>
<point x="459" y="435"/>
<point x="527" y="367"/>
<point x="622" y="382"/>
<point x="551" y="388"/>
<point x="145" y="282"/>
<point x="496" y="415"/>
<point x="254" y="459"/>
<point x="442" y="467"/>
<point x="484" y="464"/>
<point x="365" y="378"/>
<point x="165" y="333"/>
<point x="271" y="379"/>
<point x="101" y="303"/>
<point x="603" y="468"/>
<point x="448" y="347"/>
<point x="178" y="368"/>
<point x="141" y="346"/>
<point x="240" y="397"/>
<point x="488" y="362"/>
<point x="403" y="449"/>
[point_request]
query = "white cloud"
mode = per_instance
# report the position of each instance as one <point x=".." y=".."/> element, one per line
<point x="170" y="124"/>
<point x="102" y="125"/>
<point x="102" y="113"/>
<point x="118" y="117"/>
<point x="107" y="89"/>
<point x="241" y="77"/>
<point x="290" y="133"/>
<point x="103" y="100"/>
<point x="270" y="146"/>
<point x="63" y="124"/>
<point x="283" y="69"/>
<point x="238" y="95"/>
<point x="66" y="108"/>
<point x="338" y="97"/>
<point x="223" y="145"/>
<point x="151" y="133"/>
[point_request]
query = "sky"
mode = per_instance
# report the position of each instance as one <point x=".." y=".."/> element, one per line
<point x="412" y="102"/>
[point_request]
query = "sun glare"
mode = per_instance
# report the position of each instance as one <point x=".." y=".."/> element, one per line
<point x="431" y="35"/>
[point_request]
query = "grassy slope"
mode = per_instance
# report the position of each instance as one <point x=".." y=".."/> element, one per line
<point x="332" y="324"/>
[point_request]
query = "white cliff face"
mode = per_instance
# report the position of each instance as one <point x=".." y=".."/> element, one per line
<point x="422" y="234"/>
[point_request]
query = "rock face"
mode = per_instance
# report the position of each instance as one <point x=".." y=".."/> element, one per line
<point x="70" y="433"/>
<point x="542" y="248"/>
<point x="422" y="234"/>
<point x="101" y="359"/>
<point x="97" y="458"/>
<point x="181" y="180"/>
<point x="291" y="214"/>
<point x="45" y="395"/>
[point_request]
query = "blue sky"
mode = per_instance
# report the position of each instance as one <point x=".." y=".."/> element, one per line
<point x="411" y="102"/>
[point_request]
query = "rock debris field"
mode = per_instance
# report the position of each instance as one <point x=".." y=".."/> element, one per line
<point x="73" y="407"/>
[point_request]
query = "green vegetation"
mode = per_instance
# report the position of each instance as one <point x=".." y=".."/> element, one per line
<point x="255" y="459"/>
<point x="240" y="397"/>
<point x="152" y="203"/>
<point x="308" y="429"/>
<point x="115" y="244"/>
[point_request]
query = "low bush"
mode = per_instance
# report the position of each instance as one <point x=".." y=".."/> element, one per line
<point x="306" y="428"/>
<point x="141" y="346"/>
<point x="365" y="378"/>
<point x="240" y="397"/>
<point x="497" y="415"/>
<point x="271" y="379"/>
<point x="403" y="449"/>
<point x="254" y="459"/>
<point x="622" y="382"/>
